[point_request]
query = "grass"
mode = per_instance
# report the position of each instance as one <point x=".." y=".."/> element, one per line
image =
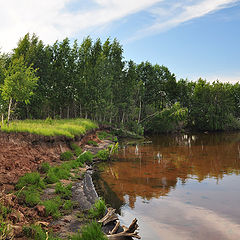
<point x="66" y="156"/>
<point x="92" y="231"/>
<point x="103" y="155"/>
<point x="77" y="150"/>
<point x="30" y="179"/>
<point x="85" y="157"/>
<point x="92" y="143"/>
<point x="64" y="127"/>
<point x="64" y="192"/>
<point x="52" y="207"/>
<point x="98" y="209"/>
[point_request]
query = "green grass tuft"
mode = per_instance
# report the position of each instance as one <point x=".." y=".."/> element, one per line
<point x="98" y="209"/>
<point x="52" y="207"/>
<point x="64" y="192"/>
<point x="77" y="150"/>
<point x="85" y="157"/>
<point x="92" y="231"/>
<point x="66" y="156"/>
<point x="103" y="155"/>
<point x="92" y="143"/>
<point x="30" y="179"/>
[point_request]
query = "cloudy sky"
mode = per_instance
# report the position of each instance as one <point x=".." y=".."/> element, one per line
<point x="193" y="38"/>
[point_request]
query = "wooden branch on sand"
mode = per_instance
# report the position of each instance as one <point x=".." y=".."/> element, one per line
<point x="130" y="231"/>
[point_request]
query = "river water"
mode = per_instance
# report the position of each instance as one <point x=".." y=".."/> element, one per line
<point x="178" y="186"/>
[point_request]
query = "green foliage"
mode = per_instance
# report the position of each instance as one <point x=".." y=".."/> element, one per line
<point x="77" y="150"/>
<point x="32" y="197"/>
<point x="168" y="120"/>
<point x="56" y="173"/>
<point x="104" y="135"/>
<point x="68" y="128"/>
<point x="37" y="233"/>
<point x="45" y="167"/>
<point x="52" y="207"/>
<point x="85" y="157"/>
<point x="66" y="156"/>
<point x="92" y="231"/>
<point x="93" y="143"/>
<point x="68" y="205"/>
<point x="98" y="209"/>
<point x="30" y="179"/>
<point x="64" y="192"/>
<point x="103" y="155"/>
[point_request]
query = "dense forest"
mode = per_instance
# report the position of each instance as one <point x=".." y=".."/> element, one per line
<point x="93" y="80"/>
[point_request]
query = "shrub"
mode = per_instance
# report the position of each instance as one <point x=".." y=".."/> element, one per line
<point x="30" y="179"/>
<point x="66" y="156"/>
<point x="77" y="150"/>
<point x="92" y="231"/>
<point x="98" y="209"/>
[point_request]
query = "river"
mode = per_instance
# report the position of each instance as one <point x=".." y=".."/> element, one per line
<point x="179" y="187"/>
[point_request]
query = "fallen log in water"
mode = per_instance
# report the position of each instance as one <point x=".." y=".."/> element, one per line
<point x="126" y="232"/>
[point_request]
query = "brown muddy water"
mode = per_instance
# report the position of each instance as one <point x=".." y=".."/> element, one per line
<point x="178" y="187"/>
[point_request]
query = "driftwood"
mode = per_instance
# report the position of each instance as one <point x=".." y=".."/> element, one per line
<point x="128" y="232"/>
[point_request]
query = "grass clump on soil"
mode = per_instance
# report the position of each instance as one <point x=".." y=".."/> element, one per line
<point x="56" y="173"/>
<point x="52" y="207"/>
<point x="63" y="127"/>
<point x="85" y="157"/>
<point x="30" y="179"/>
<point x="45" y="167"/>
<point x="68" y="205"/>
<point x="66" y="156"/>
<point x="103" y="155"/>
<point x="92" y="231"/>
<point x="76" y="149"/>
<point x="36" y="232"/>
<point x="92" y="143"/>
<point x="98" y="209"/>
<point x="64" y="192"/>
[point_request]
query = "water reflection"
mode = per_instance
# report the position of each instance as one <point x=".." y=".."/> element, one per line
<point x="196" y="172"/>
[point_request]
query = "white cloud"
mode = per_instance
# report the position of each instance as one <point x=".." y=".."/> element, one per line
<point x="176" y="13"/>
<point x="52" y="20"/>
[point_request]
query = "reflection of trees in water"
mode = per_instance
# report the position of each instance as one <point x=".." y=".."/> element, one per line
<point x="151" y="171"/>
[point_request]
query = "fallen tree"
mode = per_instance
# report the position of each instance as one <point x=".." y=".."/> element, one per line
<point x="125" y="232"/>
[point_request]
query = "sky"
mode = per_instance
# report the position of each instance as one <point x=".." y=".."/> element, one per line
<point x="193" y="38"/>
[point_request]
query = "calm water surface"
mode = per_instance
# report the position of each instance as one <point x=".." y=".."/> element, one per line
<point x="178" y="187"/>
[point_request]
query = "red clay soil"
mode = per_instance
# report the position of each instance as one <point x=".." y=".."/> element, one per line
<point x="21" y="153"/>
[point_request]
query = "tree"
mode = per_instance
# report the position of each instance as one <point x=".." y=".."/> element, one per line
<point x="19" y="83"/>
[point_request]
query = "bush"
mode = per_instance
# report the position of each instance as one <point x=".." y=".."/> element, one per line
<point x="98" y="209"/>
<point x="77" y="150"/>
<point x="66" y="156"/>
<point x="30" y="179"/>
<point x="92" y="231"/>
<point x="104" y="135"/>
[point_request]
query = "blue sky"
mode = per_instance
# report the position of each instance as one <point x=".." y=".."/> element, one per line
<point x="193" y="38"/>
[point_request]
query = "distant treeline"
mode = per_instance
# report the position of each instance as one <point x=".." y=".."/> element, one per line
<point x="93" y="80"/>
